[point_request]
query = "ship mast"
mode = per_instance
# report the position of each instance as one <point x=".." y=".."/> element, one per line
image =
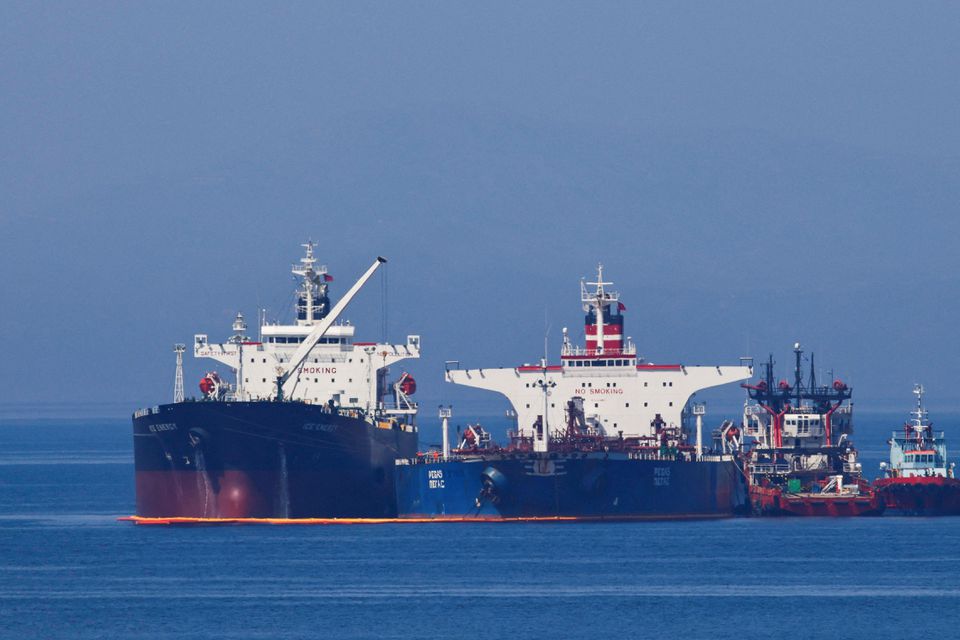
<point x="798" y="373"/>
<point x="542" y="443"/>
<point x="312" y="300"/>
<point x="919" y="414"/>
<point x="599" y="300"/>
<point x="178" y="378"/>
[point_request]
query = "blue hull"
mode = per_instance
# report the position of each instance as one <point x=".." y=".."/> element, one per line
<point x="582" y="486"/>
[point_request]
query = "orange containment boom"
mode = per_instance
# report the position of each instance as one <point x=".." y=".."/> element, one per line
<point x="316" y="521"/>
<point x="412" y="520"/>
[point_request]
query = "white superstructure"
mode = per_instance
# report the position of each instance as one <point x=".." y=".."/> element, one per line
<point x="314" y="360"/>
<point x="622" y="395"/>
<point x="918" y="451"/>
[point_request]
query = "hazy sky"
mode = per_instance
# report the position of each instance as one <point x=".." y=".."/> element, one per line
<point x="751" y="174"/>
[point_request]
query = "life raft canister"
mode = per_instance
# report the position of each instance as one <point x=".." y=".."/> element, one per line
<point x="407" y="384"/>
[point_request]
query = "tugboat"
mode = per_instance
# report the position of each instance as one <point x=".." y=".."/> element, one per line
<point x="309" y="429"/>
<point x="799" y="459"/>
<point x="601" y="436"/>
<point x="918" y="481"/>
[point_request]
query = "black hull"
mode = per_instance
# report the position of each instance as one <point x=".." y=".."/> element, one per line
<point x="264" y="460"/>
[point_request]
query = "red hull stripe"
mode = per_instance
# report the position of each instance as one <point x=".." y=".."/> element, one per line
<point x="605" y="356"/>
<point x="926" y="495"/>
<point x="608" y="330"/>
<point x="936" y="481"/>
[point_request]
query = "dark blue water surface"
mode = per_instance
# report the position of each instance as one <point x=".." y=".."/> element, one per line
<point x="68" y="569"/>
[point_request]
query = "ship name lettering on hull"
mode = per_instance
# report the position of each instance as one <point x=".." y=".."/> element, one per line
<point x="319" y="426"/>
<point x="435" y="479"/>
<point x="165" y="426"/>
<point x="661" y="477"/>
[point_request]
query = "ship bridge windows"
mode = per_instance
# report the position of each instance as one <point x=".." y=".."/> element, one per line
<point x="803" y="424"/>
<point x="299" y="339"/>
<point x="598" y="363"/>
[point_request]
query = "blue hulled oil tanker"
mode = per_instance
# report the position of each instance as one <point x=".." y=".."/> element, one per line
<point x="603" y="435"/>
<point x="309" y="429"/>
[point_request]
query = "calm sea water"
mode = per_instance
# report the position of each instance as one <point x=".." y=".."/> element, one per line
<point x="68" y="569"/>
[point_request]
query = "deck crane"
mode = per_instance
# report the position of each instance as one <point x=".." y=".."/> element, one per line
<point x="284" y="374"/>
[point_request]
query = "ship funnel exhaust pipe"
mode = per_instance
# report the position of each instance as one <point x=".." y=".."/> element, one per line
<point x="699" y="409"/>
<point x="445" y="413"/>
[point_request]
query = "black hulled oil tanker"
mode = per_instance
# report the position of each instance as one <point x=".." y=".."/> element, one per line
<point x="603" y="435"/>
<point x="309" y="429"/>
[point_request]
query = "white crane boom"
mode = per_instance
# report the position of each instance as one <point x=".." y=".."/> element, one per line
<point x="318" y="330"/>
